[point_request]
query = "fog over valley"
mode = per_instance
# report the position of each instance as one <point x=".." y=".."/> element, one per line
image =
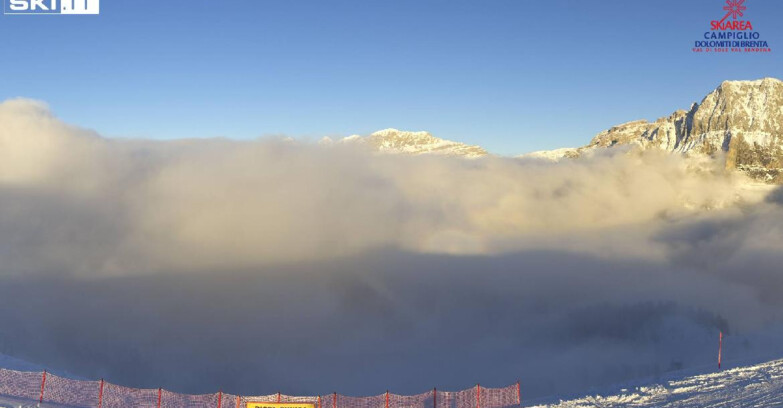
<point x="269" y="265"/>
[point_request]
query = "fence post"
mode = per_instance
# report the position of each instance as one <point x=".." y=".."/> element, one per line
<point x="478" y="395"/>
<point x="100" y="395"/>
<point x="220" y="398"/>
<point x="43" y="384"/>
<point x="435" y="397"/>
<point x="519" y="394"/>
<point x="160" y="394"/>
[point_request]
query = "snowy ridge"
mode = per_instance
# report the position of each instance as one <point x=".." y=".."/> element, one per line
<point x="396" y="141"/>
<point x="758" y="385"/>
<point x="413" y="143"/>
<point x="551" y="155"/>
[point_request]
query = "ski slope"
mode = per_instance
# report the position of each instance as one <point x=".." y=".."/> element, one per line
<point x="759" y="385"/>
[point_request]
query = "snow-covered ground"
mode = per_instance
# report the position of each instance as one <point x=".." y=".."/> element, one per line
<point x="758" y="385"/>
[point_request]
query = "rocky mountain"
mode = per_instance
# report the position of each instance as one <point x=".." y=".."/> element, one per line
<point x="398" y="141"/>
<point x="740" y="122"/>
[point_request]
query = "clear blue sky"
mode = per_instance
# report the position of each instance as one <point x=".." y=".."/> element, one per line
<point x="511" y="75"/>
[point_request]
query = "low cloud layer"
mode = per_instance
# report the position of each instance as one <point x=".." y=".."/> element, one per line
<point x="199" y="264"/>
<point x="86" y="205"/>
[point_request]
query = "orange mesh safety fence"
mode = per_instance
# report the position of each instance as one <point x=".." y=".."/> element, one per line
<point x="49" y="390"/>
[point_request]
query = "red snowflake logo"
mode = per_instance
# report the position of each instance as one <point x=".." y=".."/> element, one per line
<point x="734" y="8"/>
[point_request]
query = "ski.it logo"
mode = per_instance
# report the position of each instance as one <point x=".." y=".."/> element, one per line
<point x="51" y="6"/>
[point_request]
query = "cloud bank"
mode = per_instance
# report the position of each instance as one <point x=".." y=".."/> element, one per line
<point x="199" y="264"/>
<point x="82" y="204"/>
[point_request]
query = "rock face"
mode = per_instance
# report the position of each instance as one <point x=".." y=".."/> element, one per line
<point x="743" y="119"/>
<point x="397" y="141"/>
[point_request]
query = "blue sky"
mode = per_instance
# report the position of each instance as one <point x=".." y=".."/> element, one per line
<point x="510" y="75"/>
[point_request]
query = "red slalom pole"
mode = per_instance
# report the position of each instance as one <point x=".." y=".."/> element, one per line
<point x="220" y="398"/>
<point x="519" y="394"/>
<point x="319" y="402"/>
<point x="240" y="403"/>
<point x="334" y="400"/>
<point x="478" y="395"/>
<point x="435" y="397"/>
<point x="387" y="398"/>
<point x="720" y="347"/>
<point x="43" y="384"/>
<point x="278" y="397"/>
<point x="100" y="395"/>
<point x="160" y="394"/>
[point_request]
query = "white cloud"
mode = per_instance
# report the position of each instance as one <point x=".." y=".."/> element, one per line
<point x="222" y="204"/>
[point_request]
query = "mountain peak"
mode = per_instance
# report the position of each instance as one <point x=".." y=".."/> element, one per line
<point x="399" y="141"/>
<point x="392" y="132"/>
<point x="754" y="82"/>
<point x="740" y="122"/>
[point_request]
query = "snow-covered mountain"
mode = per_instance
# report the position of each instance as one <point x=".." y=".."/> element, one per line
<point x="398" y="141"/>
<point x="553" y="155"/>
<point x="740" y="122"/>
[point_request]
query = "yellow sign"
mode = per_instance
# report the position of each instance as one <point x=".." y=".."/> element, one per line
<point x="279" y="405"/>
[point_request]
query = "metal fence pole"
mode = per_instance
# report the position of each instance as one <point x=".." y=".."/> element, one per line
<point x="100" y="395"/>
<point x="43" y="384"/>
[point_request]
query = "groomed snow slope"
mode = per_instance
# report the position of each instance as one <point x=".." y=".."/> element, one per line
<point x="753" y="386"/>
